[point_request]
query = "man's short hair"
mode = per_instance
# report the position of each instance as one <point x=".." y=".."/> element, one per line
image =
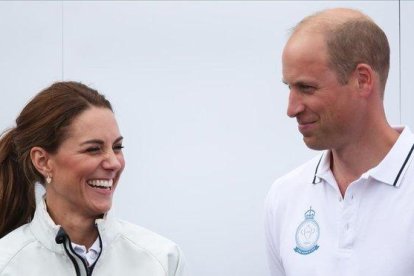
<point x="358" y="41"/>
<point x="351" y="39"/>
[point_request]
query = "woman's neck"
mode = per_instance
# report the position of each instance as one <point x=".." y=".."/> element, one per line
<point x="80" y="229"/>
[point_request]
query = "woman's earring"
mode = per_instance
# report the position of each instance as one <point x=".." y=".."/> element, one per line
<point x="48" y="179"/>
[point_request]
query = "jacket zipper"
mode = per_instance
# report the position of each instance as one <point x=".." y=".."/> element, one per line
<point x="63" y="238"/>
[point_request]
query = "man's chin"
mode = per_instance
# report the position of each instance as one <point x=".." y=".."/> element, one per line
<point x="313" y="143"/>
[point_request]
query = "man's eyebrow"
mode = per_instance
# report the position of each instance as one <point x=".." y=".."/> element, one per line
<point x="300" y="83"/>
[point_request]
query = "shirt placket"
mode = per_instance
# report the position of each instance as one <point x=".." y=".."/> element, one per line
<point x="347" y="228"/>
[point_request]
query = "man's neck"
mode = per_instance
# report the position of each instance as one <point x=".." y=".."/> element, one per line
<point x="350" y="162"/>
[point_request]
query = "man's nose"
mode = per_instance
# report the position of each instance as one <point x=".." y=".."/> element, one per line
<point x="295" y="104"/>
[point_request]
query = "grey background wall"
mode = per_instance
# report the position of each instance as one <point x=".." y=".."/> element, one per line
<point x="198" y="95"/>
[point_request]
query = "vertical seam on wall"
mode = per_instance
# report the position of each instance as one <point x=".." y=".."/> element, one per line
<point x="61" y="41"/>
<point x="399" y="59"/>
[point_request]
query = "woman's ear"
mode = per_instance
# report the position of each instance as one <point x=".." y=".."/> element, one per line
<point x="40" y="159"/>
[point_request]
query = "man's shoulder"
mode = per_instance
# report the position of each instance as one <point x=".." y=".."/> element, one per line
<point x="302" y="174"/>
<point x="295" y="179"/>
<point x="13" y="244"/>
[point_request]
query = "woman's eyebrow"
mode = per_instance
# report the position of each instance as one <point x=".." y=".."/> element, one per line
<point x="101" y="142"/>
<point x="93" y="141"/>
<point x="120" y="138"/>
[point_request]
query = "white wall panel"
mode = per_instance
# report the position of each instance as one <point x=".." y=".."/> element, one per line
<point x="30" y="50"/>
<point x="407" y="61"/>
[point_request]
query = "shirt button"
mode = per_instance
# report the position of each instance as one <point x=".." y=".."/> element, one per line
<point x="340" y="198"/>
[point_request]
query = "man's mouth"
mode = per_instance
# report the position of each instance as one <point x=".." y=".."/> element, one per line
<point x="305" y="126"/>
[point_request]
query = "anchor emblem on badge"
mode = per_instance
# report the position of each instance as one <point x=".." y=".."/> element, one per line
<point x="307" y="234"/>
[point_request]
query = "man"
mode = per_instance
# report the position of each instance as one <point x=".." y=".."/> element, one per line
<point x="350" y="210"/>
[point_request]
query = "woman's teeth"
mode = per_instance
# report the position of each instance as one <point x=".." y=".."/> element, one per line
<point x="101" y="183"/>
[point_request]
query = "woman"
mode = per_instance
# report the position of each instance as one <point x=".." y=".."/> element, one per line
<point x="67" y="139"/>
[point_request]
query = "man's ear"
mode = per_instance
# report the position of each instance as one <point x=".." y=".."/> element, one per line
<point x="365" y="76"/>
<point x="41" y="160"/>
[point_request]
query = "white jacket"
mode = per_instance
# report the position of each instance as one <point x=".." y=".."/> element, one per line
<point x="127" y="249"/>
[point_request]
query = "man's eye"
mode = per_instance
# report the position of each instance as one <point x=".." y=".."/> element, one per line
<point x="306" y="88"/>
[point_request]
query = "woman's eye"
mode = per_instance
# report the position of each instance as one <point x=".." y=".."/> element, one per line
<point x="118" y="147"/>
<point x="93" y="149"/>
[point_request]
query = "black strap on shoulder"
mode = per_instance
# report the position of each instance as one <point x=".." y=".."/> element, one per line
<point x="403" y="166"/>
<point x="316" y="170"/>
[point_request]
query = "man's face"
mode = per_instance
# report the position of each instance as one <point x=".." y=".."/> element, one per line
<point x="324" y="109"/>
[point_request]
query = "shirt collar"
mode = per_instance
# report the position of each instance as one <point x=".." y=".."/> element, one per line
<point x="91" y="255"/>
<point x="82" y="249"/>
<point x="323" y="169"/>
<point x="45" y="230"/>
<point x="390" y="170"/>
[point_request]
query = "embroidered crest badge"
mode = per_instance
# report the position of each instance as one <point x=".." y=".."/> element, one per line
<point x="307" y="234"/>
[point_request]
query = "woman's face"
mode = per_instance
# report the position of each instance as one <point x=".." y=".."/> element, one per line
<point x="86" y="168"/>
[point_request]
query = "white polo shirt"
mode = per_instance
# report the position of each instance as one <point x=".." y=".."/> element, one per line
<point x="311" y="230"/>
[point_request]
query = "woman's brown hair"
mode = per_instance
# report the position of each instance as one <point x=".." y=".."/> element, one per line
<point x="43" y="122"/>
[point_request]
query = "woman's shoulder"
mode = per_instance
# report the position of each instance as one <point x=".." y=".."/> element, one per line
<point x="14" y="244"/>
<point x="141" y="240"/>
<point x="144" y="237"/>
